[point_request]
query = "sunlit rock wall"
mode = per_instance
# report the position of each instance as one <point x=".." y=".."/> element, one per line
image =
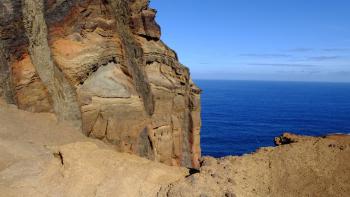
<point x="101" y="65"/>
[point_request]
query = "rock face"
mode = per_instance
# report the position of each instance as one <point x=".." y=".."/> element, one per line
<point x="101" y="65"/>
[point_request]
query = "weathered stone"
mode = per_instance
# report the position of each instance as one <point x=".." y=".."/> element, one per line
<point x="144" y="25"/>
<point x="311" y="166"/>
<point x="101" y="64"/>
<point x="30" y="93"/>
<point x="6" y="91"/>
<point x="62" y="93"/>
<point x="105" y="83"/>
<point x="42" y="158"/>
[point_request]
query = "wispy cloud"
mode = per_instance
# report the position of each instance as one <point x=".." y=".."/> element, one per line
<point x="265" y="55"/>
<point x="342" y="73"/>
<point x="313" y="72"/>
<point x="301" y="49"/>
<point x="304" y="72"/>
<point x="323" y="58"/>
<point x="282" y="65"/>
<point x="336" y="49"/>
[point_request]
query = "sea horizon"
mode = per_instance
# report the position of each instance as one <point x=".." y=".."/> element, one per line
<point x="270" y="80"/>
<point x="240" y="116"/>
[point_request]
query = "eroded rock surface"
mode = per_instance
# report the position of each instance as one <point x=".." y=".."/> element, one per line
<point x="306" y="166"/>
<point x="42" y="158"/>
<point x="101" y="64"/>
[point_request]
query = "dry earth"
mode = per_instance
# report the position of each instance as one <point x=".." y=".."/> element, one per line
<point x="42" y="158"/>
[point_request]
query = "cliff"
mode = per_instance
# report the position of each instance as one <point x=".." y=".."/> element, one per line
<point x="102" y="80"/>
<point x="101" y="65"/>
<point x="42" y="158"/>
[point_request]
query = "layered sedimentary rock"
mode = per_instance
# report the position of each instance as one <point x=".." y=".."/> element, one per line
<point x="101" y="65"/>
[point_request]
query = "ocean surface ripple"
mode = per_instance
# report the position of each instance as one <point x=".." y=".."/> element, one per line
<point x="240" y="116"/>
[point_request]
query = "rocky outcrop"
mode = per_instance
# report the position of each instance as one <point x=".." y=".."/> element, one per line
<point x="42" y="158"/>
<point x="308" y="166"/>
<point x="101" y="65"/>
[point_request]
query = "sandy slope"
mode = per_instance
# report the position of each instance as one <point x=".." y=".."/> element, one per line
<point x="42" y="158"/>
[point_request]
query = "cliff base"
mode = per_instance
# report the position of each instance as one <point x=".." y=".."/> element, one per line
<point x="42" y="158"/>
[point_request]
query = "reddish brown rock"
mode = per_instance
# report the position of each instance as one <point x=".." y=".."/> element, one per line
<point x="101" y="64"/>
<point x="30" y="92"/>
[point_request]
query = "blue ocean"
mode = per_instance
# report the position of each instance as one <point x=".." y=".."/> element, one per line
<point x="240" y="116"/>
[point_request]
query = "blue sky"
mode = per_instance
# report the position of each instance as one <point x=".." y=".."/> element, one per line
<point x="301" y="40"/>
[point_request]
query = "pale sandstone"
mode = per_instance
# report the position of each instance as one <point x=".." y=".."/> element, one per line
<point x="42" y="158"/>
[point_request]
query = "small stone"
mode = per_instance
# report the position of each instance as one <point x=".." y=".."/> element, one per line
<point x="230" y="194"/>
